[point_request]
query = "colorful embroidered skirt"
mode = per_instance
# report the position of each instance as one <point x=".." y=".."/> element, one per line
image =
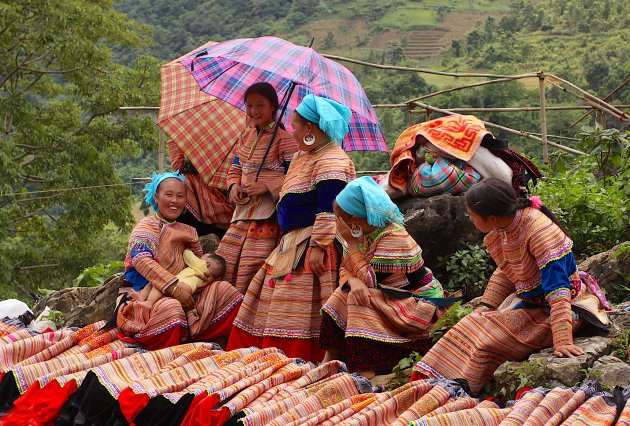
<point x="245" y="247"/>
<point x="207" y="204"/>
<point x="284" y="312"/>
<point x="376" y="337"/>
<point x="165" y="323"/>
<point x="475" y="347"/>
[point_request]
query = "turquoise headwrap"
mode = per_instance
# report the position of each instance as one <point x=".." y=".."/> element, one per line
<point x="364" y="198"/>
<point x="332" y="117"/>
<point x="152" y="187"/>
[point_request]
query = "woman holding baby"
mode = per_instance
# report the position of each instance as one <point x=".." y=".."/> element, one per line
<point x="165" y="308"/>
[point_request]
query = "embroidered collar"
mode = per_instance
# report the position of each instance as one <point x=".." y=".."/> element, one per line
<point x="164" y="221"/>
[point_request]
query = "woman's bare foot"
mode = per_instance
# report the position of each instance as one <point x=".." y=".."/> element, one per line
<point x="367" y="374"/>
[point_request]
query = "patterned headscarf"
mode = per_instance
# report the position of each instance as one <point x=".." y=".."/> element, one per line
<point x="364" y="198"/>
<point x="152" y="187"/>
<point x="332" y="117"/>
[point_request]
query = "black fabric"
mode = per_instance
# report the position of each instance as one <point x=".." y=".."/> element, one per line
<point x="9" y="391"/>
<point x="160" y="411"/>
<point x="202" y="228"/>
<point x="234" y="420"/>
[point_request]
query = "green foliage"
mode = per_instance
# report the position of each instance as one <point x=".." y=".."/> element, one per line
<point x="470" y="267"/>
<point x="620" y="290"/>
<point x="56" y="317"/>
<point x="589" y="195"/>
<point x="530" y="374"/>
<point x="97" y="274"/>
<point x="402" y="370"/>
<point x="621" y="344"/>
<point x="61" y="130"/>
<point x="448" y="319"/>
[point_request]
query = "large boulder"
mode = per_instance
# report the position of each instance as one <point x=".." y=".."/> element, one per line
<point x="83" y="305"/>
<point x="609" y="268"/>
<point x="440" y="224"/>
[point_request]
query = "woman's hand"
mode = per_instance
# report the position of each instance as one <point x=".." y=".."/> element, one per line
<point x="183" y="294"/>
<point x="236" y="193"/>
<point x="256" y="188"/>
<point x="316" y="261"/>
<point x="568" y="350"/>
<point x="359" y="291"/>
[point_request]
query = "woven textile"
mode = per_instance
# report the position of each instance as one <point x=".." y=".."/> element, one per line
<point x="245" y="246"/>
<point x="443" y="176"/>
<point x="206" y="203"/>
<point x="227" y="69"/>
<point x="205" y="128"/>
<point x="456" y="135"/>
<point x="250" y="152"/>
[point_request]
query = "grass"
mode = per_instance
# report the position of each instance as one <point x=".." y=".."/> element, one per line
<point x="409" y="17"/>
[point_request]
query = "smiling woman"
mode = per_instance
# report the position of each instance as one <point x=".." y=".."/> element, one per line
<point x="155" y="256"/>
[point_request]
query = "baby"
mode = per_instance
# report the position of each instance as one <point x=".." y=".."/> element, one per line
<point x="190" y="276"/>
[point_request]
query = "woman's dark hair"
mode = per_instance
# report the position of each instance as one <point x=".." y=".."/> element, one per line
<point x="493" y="197"/>
<point x="266" y="90"/>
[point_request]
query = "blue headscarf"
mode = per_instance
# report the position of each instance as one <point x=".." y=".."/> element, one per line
<point x="364" y="198"/>
<point x="332" y="117"/>
<point x="152" y="187"/>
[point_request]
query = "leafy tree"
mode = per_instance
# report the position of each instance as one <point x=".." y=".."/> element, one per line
<point x="61" y="129"/>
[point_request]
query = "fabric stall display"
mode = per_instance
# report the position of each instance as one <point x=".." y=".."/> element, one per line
<point x="88" y="376"/>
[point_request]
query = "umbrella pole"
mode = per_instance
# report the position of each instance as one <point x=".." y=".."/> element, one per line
<point x="279" y="119"/>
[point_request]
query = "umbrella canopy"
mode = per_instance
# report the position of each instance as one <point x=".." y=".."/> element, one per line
<point x="203" y="127"/>
<point x="227" y="69"/>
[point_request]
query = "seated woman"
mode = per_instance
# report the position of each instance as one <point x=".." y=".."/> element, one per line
<point x="361" y="323"/>
<point x="282" y="303"/>
<point x="155" y="256"/>
<point x="532" y="298"/>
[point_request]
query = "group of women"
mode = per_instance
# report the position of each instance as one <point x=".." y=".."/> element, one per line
<point x="319" y="264"/>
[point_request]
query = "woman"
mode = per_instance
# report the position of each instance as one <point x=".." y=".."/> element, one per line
<point x="254" y="231"/>
<point x="155" y="256"/>
<point x="361" y="324"/>
<point x="282" y="303"/>
<point x="528" y="302"/>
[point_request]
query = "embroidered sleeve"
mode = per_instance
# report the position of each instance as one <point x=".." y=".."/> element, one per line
<point x="176" y="155"/>
<point x="396" y="251"/>
<point x="159" y="277"/>
<point x="355" y="265"/>
<point x="325" y="227"/>
<point x="547" y="241"/>
<point x="288" y="148"/>
<point x="235" y="172"/>
<point x="499" y="287"/>
<point x="196" y="248"/>
<point x="560" y="317"/>
<point x="556" y="274"/>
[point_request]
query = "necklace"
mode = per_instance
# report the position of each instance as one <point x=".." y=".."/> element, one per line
<point x="323" y="144"/>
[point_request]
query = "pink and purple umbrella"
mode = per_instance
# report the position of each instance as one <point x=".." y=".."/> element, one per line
<point x="225" y="70"/>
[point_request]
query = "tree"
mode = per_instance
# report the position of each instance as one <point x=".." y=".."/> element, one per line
<point x="60" y="130"/>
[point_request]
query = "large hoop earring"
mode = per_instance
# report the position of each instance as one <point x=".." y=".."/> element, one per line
<point x="356" y="231"/>
<point x="308" y="139"/>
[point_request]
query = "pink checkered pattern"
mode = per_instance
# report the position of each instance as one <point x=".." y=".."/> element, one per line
<point x="227" y="69"/>
<point x="204" y="127"/>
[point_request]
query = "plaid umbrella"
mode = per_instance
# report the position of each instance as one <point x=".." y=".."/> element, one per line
<point x="227" y="69"/>
<point x="203" y="127"/>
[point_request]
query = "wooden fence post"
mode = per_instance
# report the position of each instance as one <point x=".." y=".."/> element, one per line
<point x="543" y="118"/>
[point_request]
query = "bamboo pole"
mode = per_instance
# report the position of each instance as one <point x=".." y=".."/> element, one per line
<point x="608" y="96"/>
<point x="603" y="104"/>
<point x="506" y="129"/>
<point x="543" y="118"/>
<point x="586" y="99"/>
<point x="420" y="70"/>
<point x="468" y="86"/>
<point x="161" y="151"/>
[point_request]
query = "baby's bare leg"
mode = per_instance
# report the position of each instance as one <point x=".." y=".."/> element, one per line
<point x="141" y="295"/>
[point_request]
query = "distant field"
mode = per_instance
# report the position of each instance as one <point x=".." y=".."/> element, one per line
<point x="409" y="17"/>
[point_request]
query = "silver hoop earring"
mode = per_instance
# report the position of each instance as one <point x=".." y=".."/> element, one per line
<point x="356" y="231"/>
<point x="308" y="139"/>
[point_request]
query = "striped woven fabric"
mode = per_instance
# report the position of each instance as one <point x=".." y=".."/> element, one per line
<point x="205" y="128"/>
<point x="206" y="203"/>
<point x="227" y="69"/>
<point x="250" y="152"/>
<point x="443" y="176"/>
<point x="456" y="135"/>
<point x="245" y="246"/>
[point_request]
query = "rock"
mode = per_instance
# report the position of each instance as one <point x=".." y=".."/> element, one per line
<point x="83" y="305"/>
<point x="474" y="303"/>
<point x="440" y="225"/>
<point x="209" y="242"/>
<point x="609" y="267"/>
<point x="611" y="371"/>
<point x="620" y="315"/>
<point x="568" y="371"/>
